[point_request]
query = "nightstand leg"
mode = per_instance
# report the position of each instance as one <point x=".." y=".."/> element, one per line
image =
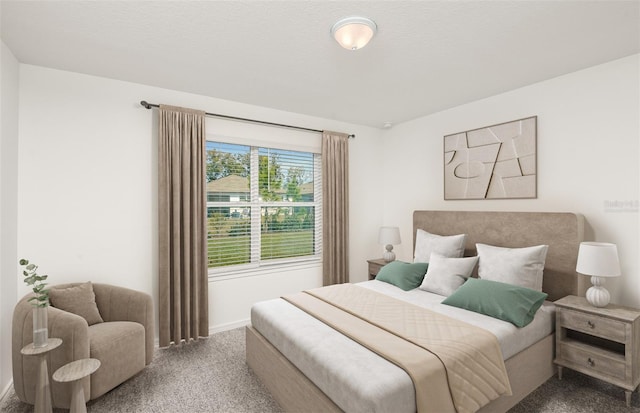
<point x="559" y="372"/>
<point x="627" y="395"/>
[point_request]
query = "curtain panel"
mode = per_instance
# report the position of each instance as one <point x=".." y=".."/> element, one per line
<point x="335" y="207"/>
<point x="182" y="213"/>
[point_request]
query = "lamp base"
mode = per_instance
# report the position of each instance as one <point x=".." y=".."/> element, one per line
<point x="389" y="255"/>
<point x="597" y="295"/>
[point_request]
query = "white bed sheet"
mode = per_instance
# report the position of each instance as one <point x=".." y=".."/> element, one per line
<point x="355" y="378"/>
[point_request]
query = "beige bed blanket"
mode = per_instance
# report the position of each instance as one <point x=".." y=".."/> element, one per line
<point x="454" y="366"/>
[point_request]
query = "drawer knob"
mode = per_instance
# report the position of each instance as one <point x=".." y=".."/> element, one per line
<point x="590" y="324"/>
<point x="591" y="362"/>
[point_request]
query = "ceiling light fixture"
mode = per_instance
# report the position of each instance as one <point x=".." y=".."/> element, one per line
<point x="354" y="33"/>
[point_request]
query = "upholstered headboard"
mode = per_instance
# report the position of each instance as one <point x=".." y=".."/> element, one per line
<point x="563" y="232"/>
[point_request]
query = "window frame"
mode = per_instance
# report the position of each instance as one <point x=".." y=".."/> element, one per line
<point x="257" y="266"/>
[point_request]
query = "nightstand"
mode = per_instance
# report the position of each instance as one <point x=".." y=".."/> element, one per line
<point x="374" y="267"/>
<point x="600" y="342"/>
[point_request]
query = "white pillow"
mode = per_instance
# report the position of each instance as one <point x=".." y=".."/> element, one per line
<point x="517" y="266"/>
<point x="445" y="275"/>
<point x="451" y="246"/>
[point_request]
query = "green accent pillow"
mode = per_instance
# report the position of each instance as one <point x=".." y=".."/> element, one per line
<point x="507" y="302"/>
<point x="403" y="274"/>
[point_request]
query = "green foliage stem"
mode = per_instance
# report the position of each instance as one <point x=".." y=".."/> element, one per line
<point x="37" y="284"/>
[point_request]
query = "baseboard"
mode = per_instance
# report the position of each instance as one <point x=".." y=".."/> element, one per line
<point x="229" y="326"/>
<point x="215" y="329"/>
<point x="5" y="391"/>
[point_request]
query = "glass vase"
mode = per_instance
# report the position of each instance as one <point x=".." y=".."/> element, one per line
<point x="40" y="326"/>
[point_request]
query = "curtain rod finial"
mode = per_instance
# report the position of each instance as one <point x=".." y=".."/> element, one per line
<point x="145" y="104"/>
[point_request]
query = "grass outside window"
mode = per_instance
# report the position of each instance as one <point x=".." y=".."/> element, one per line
<point x="235" y="250"/>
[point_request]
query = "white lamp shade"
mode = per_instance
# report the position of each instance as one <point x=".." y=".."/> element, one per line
<point x="598" y="259"/>
<point x="389" y="235"/>
<point x="354" y="33"/>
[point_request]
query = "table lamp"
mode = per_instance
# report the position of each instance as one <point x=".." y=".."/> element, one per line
<point x="599" y="260"/>
<point x="389" y="236"/>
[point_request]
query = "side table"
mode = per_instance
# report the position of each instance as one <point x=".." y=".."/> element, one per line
<point x="601" y="342"/>
<point x="73" y="372"/>
<point x="43" y="389"/>
<point x="374" y="267"/>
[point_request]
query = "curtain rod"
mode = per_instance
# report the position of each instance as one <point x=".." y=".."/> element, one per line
<point x="262" y="122"/>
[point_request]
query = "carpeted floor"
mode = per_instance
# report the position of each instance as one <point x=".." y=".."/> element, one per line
<point x="211" y="376"/>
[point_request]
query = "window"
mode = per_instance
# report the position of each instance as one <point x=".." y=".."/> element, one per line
<point x="263" y="206"/>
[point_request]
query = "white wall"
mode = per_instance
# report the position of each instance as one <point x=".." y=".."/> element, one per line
<point x="87" y="185"/>
<point x="8" y="205"/>
<point x="588" y="154"/>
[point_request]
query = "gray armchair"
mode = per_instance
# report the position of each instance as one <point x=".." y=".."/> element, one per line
<point x="123" y="342"/>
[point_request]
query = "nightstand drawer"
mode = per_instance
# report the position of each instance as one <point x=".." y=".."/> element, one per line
<point x="594" y="325"/>
<point x="592" y="361"/>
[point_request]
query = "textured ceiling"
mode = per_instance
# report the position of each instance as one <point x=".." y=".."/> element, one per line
<point x="427" y="55"/>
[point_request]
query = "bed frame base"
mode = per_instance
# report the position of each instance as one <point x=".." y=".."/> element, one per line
<point x="527" y="370"/>
<point x="294" y="392"/>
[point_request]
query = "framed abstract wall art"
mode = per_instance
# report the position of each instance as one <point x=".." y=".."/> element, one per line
<point x="494" y="162"/>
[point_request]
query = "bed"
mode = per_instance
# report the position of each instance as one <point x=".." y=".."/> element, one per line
<point x="526" y="368"/>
